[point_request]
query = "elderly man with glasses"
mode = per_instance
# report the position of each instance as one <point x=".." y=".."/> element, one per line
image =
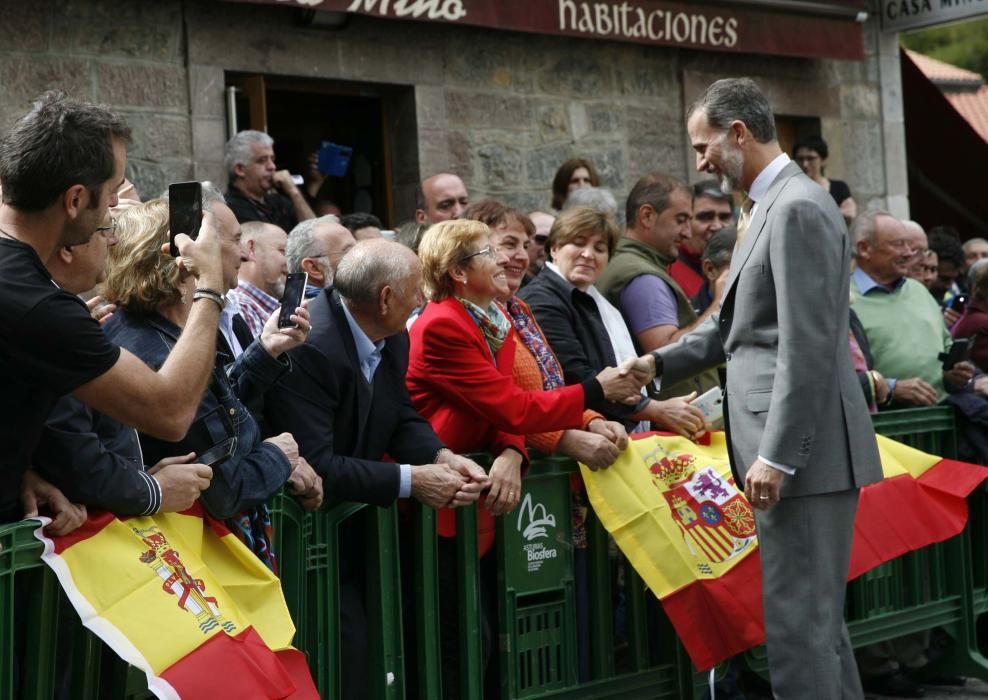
<point x="316" y="247"/>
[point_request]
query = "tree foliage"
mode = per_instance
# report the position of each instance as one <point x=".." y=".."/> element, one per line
<point x="964" y="44"/>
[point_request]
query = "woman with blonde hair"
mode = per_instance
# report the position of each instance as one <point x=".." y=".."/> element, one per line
<point x="461" y="359"/>
<point x="153" y="302"/>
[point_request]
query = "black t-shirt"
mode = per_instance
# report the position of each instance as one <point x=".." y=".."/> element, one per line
<point x="276" y="209"/>
<point x="49" y="346"/>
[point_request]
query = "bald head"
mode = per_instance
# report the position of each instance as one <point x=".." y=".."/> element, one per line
<point x="442" y="197"/>
<point x="265" y="267"/>
<point x="916" y="237"/>
<point x="381" y="283"/>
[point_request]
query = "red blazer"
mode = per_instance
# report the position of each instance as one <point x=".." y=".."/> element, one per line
<point x="470" y="398"/>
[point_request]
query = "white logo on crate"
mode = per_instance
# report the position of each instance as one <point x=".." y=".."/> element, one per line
<point x="538" y="520"/>
<point x="536" y="526"/>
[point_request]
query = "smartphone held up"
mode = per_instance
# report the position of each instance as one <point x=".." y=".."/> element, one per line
<point x="292" y="298"/>
<point x="184" y="211"/>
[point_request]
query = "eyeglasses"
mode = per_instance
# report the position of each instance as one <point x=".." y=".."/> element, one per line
<point x="490" y="252"/>
<point x="332" y="253"/>
<point x="111" y="227"/>
<point x="806" y="159"/>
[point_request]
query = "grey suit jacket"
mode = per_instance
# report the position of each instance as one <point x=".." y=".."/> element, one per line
<point x="792" y="393"/>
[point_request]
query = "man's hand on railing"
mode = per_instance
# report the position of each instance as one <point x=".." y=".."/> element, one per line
<point x="306" y="485"/>
<point x="181" y="481"/>
<point x="39" y="496"/>
<point x="476" y="477"/>
<point x="914" y="391"/>
<point x="436" y="485"/>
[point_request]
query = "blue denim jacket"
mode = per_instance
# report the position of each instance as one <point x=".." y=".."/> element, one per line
<point x="256" y="470"/>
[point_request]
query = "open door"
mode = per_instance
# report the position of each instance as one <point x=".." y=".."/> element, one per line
<point x="300" y="114"/>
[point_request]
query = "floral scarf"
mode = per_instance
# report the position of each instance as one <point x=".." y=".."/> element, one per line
<point x="531" y="335"/>
<point x="493" y="322"/>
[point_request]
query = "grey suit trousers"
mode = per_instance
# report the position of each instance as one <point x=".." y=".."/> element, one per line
<point x="805" y="545"/>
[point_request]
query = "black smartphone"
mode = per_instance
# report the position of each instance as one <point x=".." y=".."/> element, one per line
<point x="292" y="298"/>
<point x="218" y="453"/>
<point x="958" y="303"/>
<point x="184" y="211"/>
<point x="958" y="352"/>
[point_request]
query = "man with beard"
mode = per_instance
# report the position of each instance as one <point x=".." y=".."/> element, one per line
<point x="262" y="276"/>
<point x="799" y="434"/>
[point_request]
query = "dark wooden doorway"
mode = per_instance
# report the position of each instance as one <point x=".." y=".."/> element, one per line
<point x="300" y="113"/>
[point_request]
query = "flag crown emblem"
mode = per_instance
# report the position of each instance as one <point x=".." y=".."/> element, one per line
<point x="673" y="469"/>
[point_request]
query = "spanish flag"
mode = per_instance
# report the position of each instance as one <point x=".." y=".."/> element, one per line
<point x="180" y="597"/>
<point x="674" y="510"/>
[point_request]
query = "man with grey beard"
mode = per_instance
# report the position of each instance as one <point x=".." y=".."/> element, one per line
<point x="316" y="247"/>
<point x="799" y="435"/>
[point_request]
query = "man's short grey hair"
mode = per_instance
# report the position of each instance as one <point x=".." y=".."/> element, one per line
<point x="865" y="225"/>
<point x="731" y="99"/>
<point x="301" y="243"/>
<point x="240" y="149"/>
<point x="365" y="270"/>
<point x="971" y="241"/>
<point x="596" y="198"/>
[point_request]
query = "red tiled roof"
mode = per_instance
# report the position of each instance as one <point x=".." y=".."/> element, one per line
<point x="938" y="71"/>
<point x="973" y="106"/>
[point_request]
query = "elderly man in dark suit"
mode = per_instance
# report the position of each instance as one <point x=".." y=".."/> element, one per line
<point x="348" y="407"/>
<point x="799" y="432"/>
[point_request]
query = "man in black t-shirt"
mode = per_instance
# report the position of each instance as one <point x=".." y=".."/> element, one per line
<point x="254" y="179"/>
<point x="60" y="167"/>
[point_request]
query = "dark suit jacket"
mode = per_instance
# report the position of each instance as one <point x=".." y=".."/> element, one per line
<point x="344" y="426"/>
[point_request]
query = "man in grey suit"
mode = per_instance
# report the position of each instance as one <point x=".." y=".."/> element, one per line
<point x="799" y="434"/>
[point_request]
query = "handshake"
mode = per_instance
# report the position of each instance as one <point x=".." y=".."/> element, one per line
<point x="624" y="382"/>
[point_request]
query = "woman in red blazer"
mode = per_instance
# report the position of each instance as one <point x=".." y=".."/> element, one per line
<point x="459" y="376"/>
<point x="460" y="367"/>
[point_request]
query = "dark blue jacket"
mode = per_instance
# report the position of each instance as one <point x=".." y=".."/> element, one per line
<point x="254" y="473"/>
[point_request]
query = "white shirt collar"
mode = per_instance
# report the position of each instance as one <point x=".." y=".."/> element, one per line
<point x="759" y="188"/>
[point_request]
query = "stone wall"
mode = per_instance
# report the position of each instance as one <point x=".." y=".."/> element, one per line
<point x="128" y="55"/>
<point x="503" y="109"/>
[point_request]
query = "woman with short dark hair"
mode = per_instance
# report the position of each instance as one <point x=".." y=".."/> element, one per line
<point x="811" y="154"/>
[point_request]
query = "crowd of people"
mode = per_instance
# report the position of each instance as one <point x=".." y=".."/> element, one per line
<point x="479" y="328"/>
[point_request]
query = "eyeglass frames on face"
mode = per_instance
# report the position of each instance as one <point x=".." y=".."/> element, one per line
<point x="490" y="252"/>
<point x="110" y="228"/>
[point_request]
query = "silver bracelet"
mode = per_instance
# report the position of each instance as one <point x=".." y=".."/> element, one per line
<point x="211" y="295"/>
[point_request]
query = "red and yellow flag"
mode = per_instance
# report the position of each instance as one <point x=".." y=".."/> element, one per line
<point x="180" y="597"/>
<point x="674" y="510"/>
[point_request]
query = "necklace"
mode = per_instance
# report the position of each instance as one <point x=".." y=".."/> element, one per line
<point x="4" y="233"/>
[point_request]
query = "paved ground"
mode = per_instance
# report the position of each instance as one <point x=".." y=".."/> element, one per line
<point x="973" y="690"/>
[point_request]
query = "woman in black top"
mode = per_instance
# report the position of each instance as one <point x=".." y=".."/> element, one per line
<point x="811" y="155"/>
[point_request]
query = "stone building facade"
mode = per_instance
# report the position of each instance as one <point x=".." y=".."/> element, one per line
<point x="501" y="108"/>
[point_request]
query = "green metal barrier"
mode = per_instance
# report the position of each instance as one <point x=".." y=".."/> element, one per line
<point x="536" y="640"/>
<point x="927" y="588"/>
